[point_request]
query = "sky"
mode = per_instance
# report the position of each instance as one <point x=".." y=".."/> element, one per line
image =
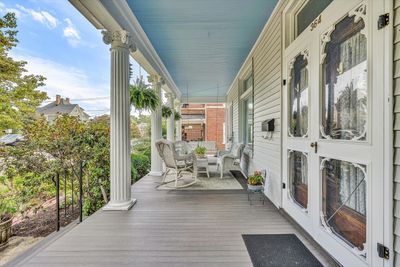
<point x="60" y="44"/>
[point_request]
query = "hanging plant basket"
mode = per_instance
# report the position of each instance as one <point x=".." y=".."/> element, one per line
<point x="177" y="116"/>
<point x="166" y="112"/>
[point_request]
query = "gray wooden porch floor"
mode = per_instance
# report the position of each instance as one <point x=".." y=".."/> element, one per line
<point x="169" y="228"/>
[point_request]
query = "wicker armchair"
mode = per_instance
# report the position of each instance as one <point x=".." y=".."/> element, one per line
<point x="230" y="159"/>
<point x="175" y="161"/>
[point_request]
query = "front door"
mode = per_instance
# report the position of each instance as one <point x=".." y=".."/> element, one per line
<point x="332" y="132"/>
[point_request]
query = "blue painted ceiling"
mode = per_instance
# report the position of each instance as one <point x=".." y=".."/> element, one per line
<point x="202" y="43"/>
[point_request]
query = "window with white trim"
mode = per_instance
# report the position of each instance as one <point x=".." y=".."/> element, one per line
<point x="247" y="111"/>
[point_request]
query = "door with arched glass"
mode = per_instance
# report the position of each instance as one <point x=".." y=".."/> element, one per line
<point x="333" y="111"/>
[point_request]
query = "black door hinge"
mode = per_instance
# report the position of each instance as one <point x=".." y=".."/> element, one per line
<point x="383" y="21"/>
<point x="383" y="251"/>
<point x="283" y="185"/>
<point x="284" y="82"/>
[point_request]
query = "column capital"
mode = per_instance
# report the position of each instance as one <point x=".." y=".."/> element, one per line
<point x="119" y="38"/>
<point x="170" y="97"/>
<point x="156" y="79"/>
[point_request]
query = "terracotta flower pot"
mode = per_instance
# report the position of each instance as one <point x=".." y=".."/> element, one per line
<point x="5" y="232"/>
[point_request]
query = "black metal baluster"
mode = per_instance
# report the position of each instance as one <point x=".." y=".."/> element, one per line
<point x="58" y="200"/>
<point x="65" y="194"/>
<point x="72" y="190"/>
<point x="80" y="191"/>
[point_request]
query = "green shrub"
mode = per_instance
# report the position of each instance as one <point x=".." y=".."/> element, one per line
<point x="140" y="166"/>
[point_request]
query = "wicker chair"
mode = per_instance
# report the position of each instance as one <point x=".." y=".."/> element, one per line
<point x="176" y="161"/>
<point x="230" y="159"/>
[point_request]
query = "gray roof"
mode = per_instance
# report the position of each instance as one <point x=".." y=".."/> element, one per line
<point x="63" y="108"/>
<point x="10" y="138"/>
<point x="53" y="108"/>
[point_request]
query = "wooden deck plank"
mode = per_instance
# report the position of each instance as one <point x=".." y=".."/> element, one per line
<point x="170" y="228"/>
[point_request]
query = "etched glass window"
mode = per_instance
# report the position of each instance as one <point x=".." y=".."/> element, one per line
<point x="344" y="201"/>
<point x="298" y="97"/>
<point x="248" y="120"/>
<point x="298" y="178"/>
<point x="344" y="91"/>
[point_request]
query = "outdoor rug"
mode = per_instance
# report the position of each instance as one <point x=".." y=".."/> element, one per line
<point x="228" y="182"/>
<point x="279" y="250"/>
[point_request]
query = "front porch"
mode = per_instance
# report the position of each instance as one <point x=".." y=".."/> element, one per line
<point x="170" y="228"/>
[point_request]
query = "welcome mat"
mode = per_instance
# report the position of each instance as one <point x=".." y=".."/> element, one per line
<point x="279" y="250"/>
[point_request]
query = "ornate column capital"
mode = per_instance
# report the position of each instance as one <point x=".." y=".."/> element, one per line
<point x="120" y="38"/>
<point x="156" y="79"/>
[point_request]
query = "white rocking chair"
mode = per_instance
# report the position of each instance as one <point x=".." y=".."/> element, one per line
<point x="174" y="161"/>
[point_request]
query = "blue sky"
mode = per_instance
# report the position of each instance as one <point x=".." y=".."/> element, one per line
<point x="60" y="44"/>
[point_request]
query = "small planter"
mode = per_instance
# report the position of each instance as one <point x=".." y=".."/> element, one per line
<point x="5" y="232"/>
<point x="255" y="187"/>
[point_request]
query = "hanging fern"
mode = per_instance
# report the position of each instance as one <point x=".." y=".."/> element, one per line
<point x="142" y="97"/>
<point x="166" y="112"/>
<point x="177" y="116"/>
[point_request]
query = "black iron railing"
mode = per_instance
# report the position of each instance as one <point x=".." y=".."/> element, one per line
<point x="56" y="181"/>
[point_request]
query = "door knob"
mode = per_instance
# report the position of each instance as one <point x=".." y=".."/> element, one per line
<point x="315" y="146"/>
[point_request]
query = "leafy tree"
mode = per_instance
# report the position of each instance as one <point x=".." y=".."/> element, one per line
<point x="19" y="96"/>
<point x="135" y="132"/>
<point x="142" y="97"/>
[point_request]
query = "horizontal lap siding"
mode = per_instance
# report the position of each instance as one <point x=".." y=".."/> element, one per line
<point x="396" y="89"/>
<point x="267" y="59"/>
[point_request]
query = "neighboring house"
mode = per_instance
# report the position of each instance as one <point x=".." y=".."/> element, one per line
<point x="10" y="139"/>
<point x="204" y="122"/>
<point x="62" y="106"/>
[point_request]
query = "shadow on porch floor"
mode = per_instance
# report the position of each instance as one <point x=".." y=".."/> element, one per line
<point x="170" y="228"/>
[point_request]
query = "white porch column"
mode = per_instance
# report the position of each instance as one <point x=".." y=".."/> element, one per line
<point x="171" y="119"/>
<point x="178" y="136"/>
<point x="156" y="128"/>
<point x="120" y="149"/>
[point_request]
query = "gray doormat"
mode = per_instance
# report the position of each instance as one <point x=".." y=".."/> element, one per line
<point x="279" y="250"/>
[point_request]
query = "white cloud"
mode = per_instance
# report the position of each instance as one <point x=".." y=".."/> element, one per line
<point x="71" y="33"/>
<point x="68" y="82"/>
<point x="43" y="17"/>
<point x="4" y="9"/>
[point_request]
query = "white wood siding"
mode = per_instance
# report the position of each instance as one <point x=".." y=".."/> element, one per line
<point x="396" y="127"/>
<point x="267" y="58"/>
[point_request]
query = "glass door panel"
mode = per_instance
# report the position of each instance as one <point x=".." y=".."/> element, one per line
<point x="344" y="93"/>
<point x="344" y="201"/>
<point x="298" y="96"/>
<point x="298" y="177"/>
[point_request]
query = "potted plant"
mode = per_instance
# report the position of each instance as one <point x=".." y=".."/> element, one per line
<point x="255" y="182"/>
<point x="7" y="209"/>
<point x="200" y="151"/>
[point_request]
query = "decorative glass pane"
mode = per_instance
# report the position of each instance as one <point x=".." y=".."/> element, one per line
<point x="344" y="200"/>
<point x="298" y="97"/>
<point x="309" y="12"/>
<point x="248" y="119"/>
<point x="248" y="83"/>
<point x="344" y="93"/>
<point x="298" y="178"/>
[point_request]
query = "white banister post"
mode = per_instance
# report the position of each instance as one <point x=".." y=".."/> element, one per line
<point x="156" y="128"/>
<point x="170" y="120"/>
<point x="178" y="123"/>
<point x="120" y="147"/>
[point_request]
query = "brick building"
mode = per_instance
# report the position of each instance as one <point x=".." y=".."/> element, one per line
<point x="203" y="122"/>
